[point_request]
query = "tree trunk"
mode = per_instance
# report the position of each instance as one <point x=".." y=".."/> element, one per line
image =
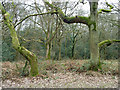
<point x="48" y="46"/>
<point x="48" y="51"/>
<point x="94" y="51"/>
<point x="59" y="44"/>
<point x="48" y="43"/>
<point x="66" y="47"/>
<point x="31" y="57"/>
<point x="73" y="47"/>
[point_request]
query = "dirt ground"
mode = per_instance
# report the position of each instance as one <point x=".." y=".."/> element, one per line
<point x="60" y="80"/>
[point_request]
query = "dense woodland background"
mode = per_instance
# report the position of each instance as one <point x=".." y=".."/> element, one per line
<point x="51" y="52"/>
<point x="48" y="34"/>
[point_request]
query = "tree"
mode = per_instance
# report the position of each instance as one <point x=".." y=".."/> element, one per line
<point x="8" y="52"/>
<point x="59" y="37"/>
<point x="49" y="26"/>
<point x="91" y="22"/>
<point x="75" y="33"/>
<point x="106" y="43"/>
<point x="31" y="57"/>
<point x="108" y="30"/>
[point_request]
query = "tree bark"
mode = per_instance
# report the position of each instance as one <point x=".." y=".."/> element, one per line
<point x="66" y="47"/>
<point x="66" y="19"/>
<point x="93" y="32"/>
<point x="74" y="40"/>
<point x="48" y="51"/>
<point x="73" y="47"/>
<point x="31" y="57"/>
<point x="59" y="44"/>
<point x="48" y="44"/>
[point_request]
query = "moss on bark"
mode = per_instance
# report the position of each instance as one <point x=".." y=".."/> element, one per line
<point x="69" y="20"/>
<point x="107" y="42"/>
<point x="104" y="10"/>
<point x="31" y="57"/>
<point x="94" y="50"/>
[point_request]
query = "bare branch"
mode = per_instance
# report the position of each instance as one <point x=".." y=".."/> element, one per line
<point x="26" y="40"/>
<point x="34" y="15"/>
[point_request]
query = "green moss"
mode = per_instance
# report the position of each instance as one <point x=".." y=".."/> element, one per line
<point x="104" y="10"/>
<point x="19" y="48"/>
<point x="6" y="15"/>
<point x="94" y="6"/>
<point x="32" y="60"/>
<point x="31" y="57"/>
<point x="2" y="9"/>
<point x="107" y="42"/>
<point x="34" y="68"/>
<point x="111" y="7"/>
<point x="92" y="23"/>
<point x="104" y="42"/>
<point x="76" y="19"/>
<point x="85" y="18"/>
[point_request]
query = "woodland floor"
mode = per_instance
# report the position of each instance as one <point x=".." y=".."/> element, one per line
<point x="60" y="74"/>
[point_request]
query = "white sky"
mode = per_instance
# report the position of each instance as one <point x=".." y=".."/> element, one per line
<point x="40" y="1"/>
<point x="85" y="7"/>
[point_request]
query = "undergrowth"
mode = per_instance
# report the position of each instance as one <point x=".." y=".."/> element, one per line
<point x="49" y="66"/>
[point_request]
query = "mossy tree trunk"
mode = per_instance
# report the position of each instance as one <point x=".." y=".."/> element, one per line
<point x="93" y="32"/>
<point x="31" y="57"/>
